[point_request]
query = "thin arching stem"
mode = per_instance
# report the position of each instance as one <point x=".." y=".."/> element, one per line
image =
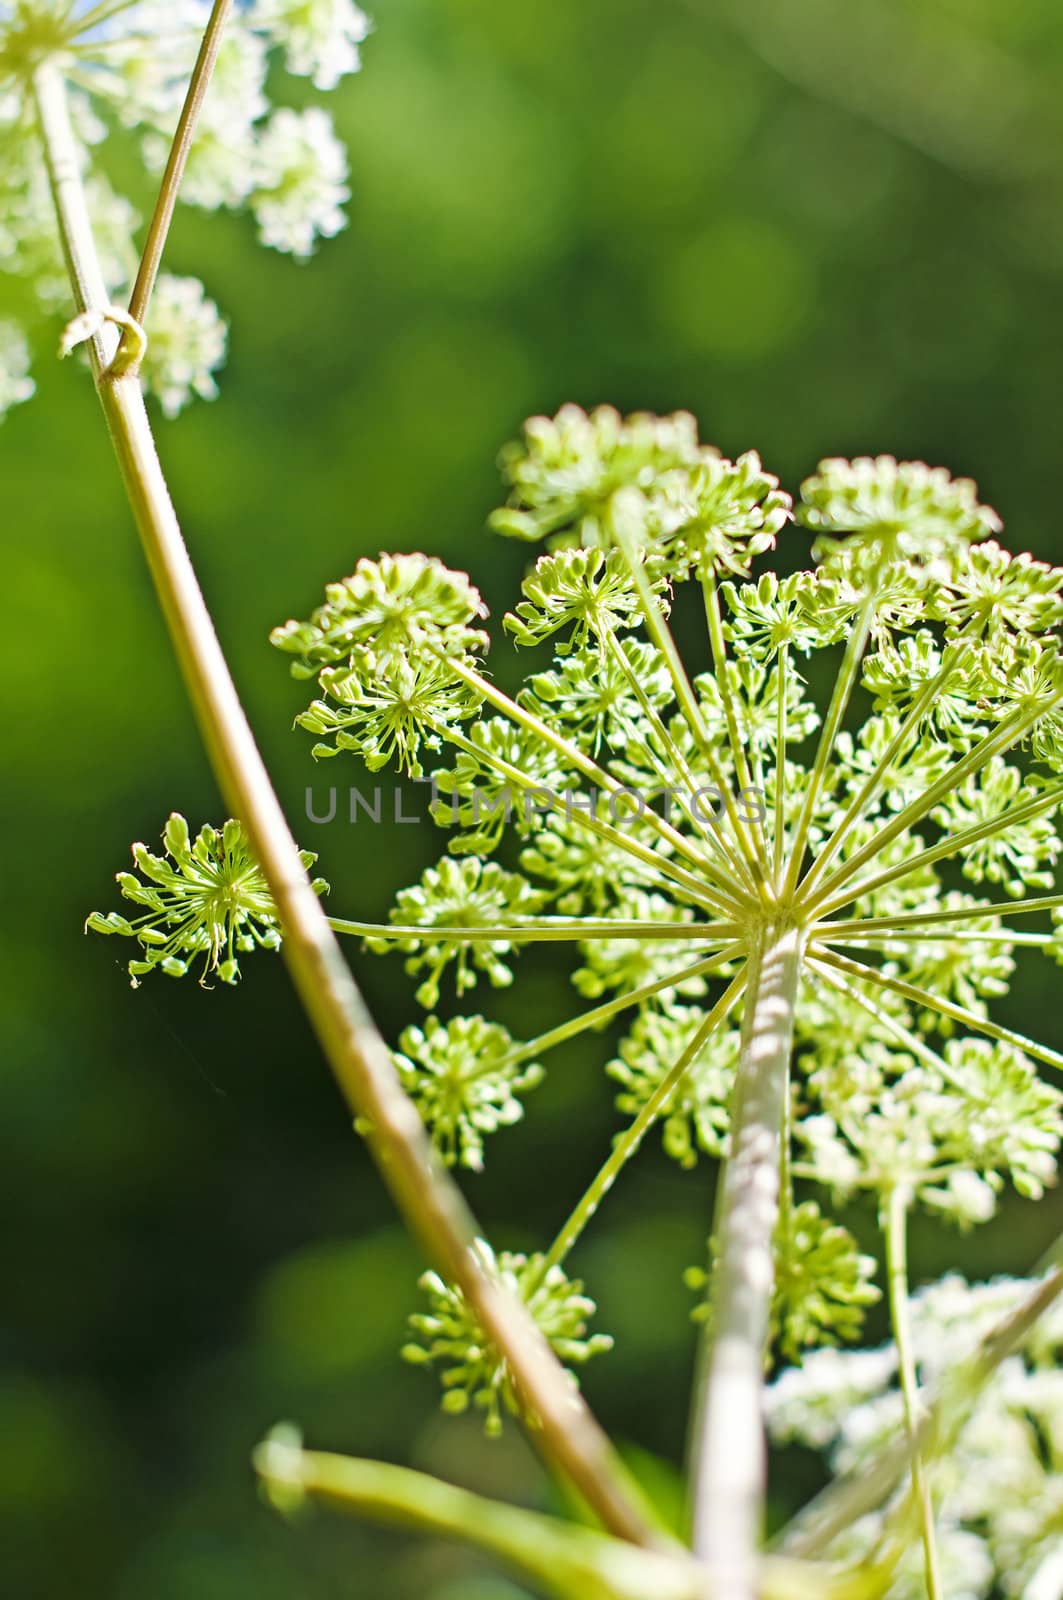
<point x="855" y="1494"/>
<point x="682" y="770"/>
<point x="718" y="646"/>
<point x="910" y="1040"/>
<point x="953" y="844"/>
<point x="431" y="1203"/>
<point x="933" y="919"/>
<point x="628" y="1142"/>
<point x="586" y="1021"/>
<point x="844" y="685"/>
<point x="1005" y="936"/>
<point x="568" y="752"/>
<point x="540" y="929"/>
<point x="945" y="1008"/>
<point x="745" y="860"/>
<point x="874" y="784"/>
<point x="896" y="1229"/>
<point x="177" y="160"/>
<point x="1008" y="734"/>
<point x="779" y="830"/>
<point x="694" y="888"/>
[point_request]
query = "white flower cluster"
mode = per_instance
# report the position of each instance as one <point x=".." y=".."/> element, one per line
<point x="16" y="384"/>
<point x="129" y="65"/>
<point x="999" y="1493"/>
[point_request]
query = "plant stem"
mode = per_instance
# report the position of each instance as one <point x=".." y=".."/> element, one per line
<point x="871" y="787"/>
<point x="562" y="1560"/>
<point x="695" y="888"/>
<point x="425" y="1195"/>
<point x="1009" y="733"/>
<point x="539" y="929"/>
<point x="745" y="863"/>
<point x="177" y="160"/>
<point x="844" y="685"/>
<point x="931" y="919"/>
<point x="730" y="1465"/>
<point x="627" y="1143"/>
<point x="600" y="1015"/>
<point x="952" y="844"/>
<point x="718" y="645"/>
<point x="568" y="752"/>
<point x="897" y="1274"/>
<point x="945" y="1008"/>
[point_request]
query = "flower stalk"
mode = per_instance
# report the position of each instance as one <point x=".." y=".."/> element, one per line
<point x="432" y="1205"/>
<point x="729" y="1452"/>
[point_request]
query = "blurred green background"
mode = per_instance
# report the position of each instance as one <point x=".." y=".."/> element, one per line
<point x="825" y="229"/>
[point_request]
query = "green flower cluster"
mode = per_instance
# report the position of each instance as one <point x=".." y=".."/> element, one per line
<point x="472" y="1371"/>
<point x="203" y="898"/>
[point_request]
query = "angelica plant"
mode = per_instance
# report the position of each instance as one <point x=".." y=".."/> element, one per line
<point x="806" y="988"/>
<point x="761" y="885"/>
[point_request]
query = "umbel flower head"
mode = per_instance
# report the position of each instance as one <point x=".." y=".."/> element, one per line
<point x="669" y="824"/>
<point x="205" y="902"/>
<point x="128" y="66"/>
<point x="471" y="1370"/>
<point x="466" y="1077"/>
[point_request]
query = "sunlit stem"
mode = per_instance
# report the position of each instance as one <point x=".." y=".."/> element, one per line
<point x="746" y="862"/>
<point x="896" y="1228"/>
<point x="103" y="13"/>
<point x="911" y="1041"/>
<point x="586" y="1021"/>
<point x="682" y="771"/>
<point x="177" y="160"/>
<point x="994" y="744"/>
<point x="779" y="831"/>
<point x="932" y="919"/>
<point x="429" y="1200"/>
<point x="844" y="685"/>
<point x="626" y="1144"/>
<point x="569" y="753"/>
<point x="718" y="646"/>
<point x="729" y="1452"/>
<point x="695" y="888"/>
<point x="953" y="844"/>
<point x="944" y="1008"/>
<point x="962" y="936"/>
<point x="878" y="779"/>
<point x="544" y="929"/>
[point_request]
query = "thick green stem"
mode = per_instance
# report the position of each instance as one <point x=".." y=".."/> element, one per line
<point x="729" y="1453"/>
<point x="897" y="1273"/>
<point x="426" y="1196"/>
<point x="560" y="1558"/>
